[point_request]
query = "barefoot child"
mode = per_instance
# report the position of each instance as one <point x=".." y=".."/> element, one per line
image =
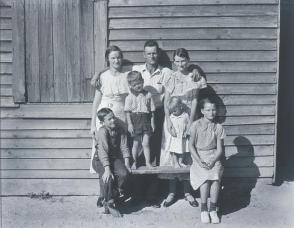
<point x="111" y="159"/>
<point x="139" y="108"/>
<point x="205" y="145"/>
<point x="178" y="145"/>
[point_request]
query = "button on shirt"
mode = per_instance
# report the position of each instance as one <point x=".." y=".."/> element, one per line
<point x="154" y="83"/>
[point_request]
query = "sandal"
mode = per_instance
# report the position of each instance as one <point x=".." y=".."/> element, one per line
<point x="191" y="200"/>
<point x="169" y="200"/>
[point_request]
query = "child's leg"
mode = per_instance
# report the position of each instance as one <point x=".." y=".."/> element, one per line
<point x="175" y="160"/>
<point x="135" y="150"/>
<point x="204" y="190"/>
<point x="146" y="149"/>
<point x="214" y="192"/>
<point x="121" y="174"/>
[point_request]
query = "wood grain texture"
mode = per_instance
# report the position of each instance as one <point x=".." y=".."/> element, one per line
<point x="6" y="35"/>
<point x="6" y="46"/>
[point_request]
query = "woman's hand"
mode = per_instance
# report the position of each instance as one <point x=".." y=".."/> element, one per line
<point x="187" y="131"/>
<point x="203" y="164"/>
<point x="107" y="175"/>
<point x="171" y="128"/>
<point x="93" y="131"/>
<point x="195" y="75"/>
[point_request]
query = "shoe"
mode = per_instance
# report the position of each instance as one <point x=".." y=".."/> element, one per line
<point x="113" y="210"/>
<point x="205" y="217"/>
<point x="169" y="201"/>
<point x="100" y="201"/>
<point x="214" y="217"/>
<point x="192" y="202"/>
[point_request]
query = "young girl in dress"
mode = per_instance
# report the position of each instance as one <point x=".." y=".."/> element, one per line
<point x="206" y="142"/>
<point x="139" y="108"/>
<point x="178" y="145"/>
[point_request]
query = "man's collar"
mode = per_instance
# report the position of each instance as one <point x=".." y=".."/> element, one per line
<point x="158" y="69"/>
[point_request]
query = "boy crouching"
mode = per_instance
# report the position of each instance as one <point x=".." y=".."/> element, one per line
<point x="112" y="160"/>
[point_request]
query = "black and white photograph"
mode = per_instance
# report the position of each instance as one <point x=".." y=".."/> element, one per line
<point x="146" y="113"/>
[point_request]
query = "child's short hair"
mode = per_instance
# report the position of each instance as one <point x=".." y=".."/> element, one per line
<point x="134" y="76"/>
<point x="151" y="43"/>
<point x="173" y="103"/>
<point x="103" y="112"/>
<point x="206" y="100"/>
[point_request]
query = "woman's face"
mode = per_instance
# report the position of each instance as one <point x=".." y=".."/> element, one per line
<point x="115" y="60"/>
<point x="181" y="63"/>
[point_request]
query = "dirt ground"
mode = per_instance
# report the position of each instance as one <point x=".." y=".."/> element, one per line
<point x="243" y="205"/>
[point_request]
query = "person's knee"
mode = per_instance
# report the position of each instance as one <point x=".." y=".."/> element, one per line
<point x="123" y="174"/>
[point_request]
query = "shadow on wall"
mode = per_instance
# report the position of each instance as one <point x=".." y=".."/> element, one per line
<point x="236" y="193"/>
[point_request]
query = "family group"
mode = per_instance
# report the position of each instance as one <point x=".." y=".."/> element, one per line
<point x="147" y="116"/>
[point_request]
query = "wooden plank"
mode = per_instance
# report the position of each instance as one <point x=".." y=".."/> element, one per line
<point x="193" y="33"/>
<point x="32" y="50"/>
<point x="6" y="91"/>
<point x="266" y="161"/>
<point x="59" y="50"/>
<point x="204" y="45"/>
<point x="86" y="48"/>
<point x="243" y="120"/>
<point x="7" y="102"/>
<point x="5" y="46"/>
<point x="250" y="140"/>
<point x="53" y="153"/>
<point x="69" y="133"/>
<point x="6" y="3"/>
<point x="83" y="111"/>
<point x="5" y="23"/>
<point x="5" y="12"/>
<point x="6" y="57"/>
<point x="124" y="3"/>
<point x="221" y="56"/>
<point x="46" y="51"/>
<point x="195" y="22"/>
<point x="191" y="11"/>
<point x="249" y="150"/>
<point x="72" y="33"/>
<point x="5" y="68"/>
<point x="247" y="99"/>
<point x="100" y="34"/>
<point x="27" y="124"/>
<point x="87" y="142"/>
<point x="249" y="172"/>
<point x="241" y="77"/>
<point x="6" y="35"/>
<point x="6" y="79"/>
<point x="245" y="88"/>
<point x="44" y="174"/>
<point x="10" y="187"/>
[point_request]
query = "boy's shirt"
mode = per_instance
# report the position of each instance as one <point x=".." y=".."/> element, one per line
<point x="111" y="144"/>
<point x="143" y="102"/>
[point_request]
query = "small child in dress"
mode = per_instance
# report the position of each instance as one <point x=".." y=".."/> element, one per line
<point x="139" y="108"/>
<point x="178" y="146"/>
<point x="205" y="144"/>
<point x="111" y="160"/>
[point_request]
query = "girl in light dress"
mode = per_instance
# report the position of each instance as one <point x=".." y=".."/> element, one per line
<point x="178" y="145"/>
<point x="205" y="145"/>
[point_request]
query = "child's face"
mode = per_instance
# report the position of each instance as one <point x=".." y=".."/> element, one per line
<point x="110" y="121"/>
<point x="115" y="60"/>
<point x="137" y="86"/>
<point x="181" y="63"/>
<point x="178" y="110"/>
<point x="209" y="111"/>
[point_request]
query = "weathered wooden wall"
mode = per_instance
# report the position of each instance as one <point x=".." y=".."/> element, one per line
<point x="46" y="147"/>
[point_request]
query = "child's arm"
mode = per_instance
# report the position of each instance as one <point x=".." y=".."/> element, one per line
<point x="125" y="150"/>
<point x="193" y="111"/>
<point x="192" y="147"/>
<point x="103" y="153"/>
<point x="218" y="154"/>
<point x="153" y="121"/>
<point x="95" y="79"/>
<point x="130" y="124"/>
<point x="96" y="103"/>
<point x="152" y="109"/>
<point x="169" y="124"/>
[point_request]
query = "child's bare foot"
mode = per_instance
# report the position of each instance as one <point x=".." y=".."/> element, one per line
<point x="182" y="165"/>
<point x="149" y="165"/>
<point x="134" y="166"/>
<point x="177" y="165"/>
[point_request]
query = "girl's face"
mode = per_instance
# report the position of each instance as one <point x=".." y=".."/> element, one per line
<point x="181" y="63"/>
<point x="209" y="111"/>
<point x="137" y="86"/>
<point x="110" y="121"/>
<point x="115" y="60"/>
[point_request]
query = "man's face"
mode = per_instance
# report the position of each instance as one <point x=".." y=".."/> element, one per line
<point x="151" y="55"/>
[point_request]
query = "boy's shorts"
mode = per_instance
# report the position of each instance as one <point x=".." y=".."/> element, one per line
<point x="141" y="123"/>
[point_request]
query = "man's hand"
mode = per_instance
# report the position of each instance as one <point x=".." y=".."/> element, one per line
<point x="107" y="175"/>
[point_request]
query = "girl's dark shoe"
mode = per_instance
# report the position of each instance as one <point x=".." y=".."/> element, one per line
<point x="191" y="200"/>
<point x="169" y="200"/>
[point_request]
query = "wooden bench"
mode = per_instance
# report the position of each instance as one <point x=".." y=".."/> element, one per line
<point x="164" y="172"/>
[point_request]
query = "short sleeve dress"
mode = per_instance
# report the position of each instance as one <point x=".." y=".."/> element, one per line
<point x="206" y="137"/>
<point x="182" y="86"/>
<point x="114" y="91"/>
